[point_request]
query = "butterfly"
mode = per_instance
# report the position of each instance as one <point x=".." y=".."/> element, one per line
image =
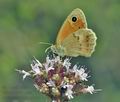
<point x="74" y="38"/>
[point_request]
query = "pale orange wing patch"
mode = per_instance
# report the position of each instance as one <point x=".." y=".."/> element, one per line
<point x="75" y="21"/>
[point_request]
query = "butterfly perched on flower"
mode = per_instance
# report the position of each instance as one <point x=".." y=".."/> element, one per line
<point x="74" y="38"/>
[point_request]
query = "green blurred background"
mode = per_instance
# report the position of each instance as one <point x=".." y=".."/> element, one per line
<point x="24" y="23"/>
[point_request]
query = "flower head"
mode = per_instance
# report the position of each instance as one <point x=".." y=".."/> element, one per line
<point x="57" y="78"/>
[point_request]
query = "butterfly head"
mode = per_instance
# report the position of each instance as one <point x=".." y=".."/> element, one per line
<point x="58" y="50"/>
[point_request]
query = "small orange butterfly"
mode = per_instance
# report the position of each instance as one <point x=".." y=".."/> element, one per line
<point x="74" y="38"/>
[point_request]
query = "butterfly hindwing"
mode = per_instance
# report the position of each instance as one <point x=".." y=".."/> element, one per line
<point x="81" y="42"/>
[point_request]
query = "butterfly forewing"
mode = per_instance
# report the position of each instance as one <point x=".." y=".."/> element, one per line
<point x="75" y="21"/>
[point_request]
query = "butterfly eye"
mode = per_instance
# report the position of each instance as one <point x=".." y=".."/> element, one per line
<point x="74" y="19"/>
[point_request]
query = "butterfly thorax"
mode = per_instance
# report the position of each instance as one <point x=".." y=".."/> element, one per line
<point x="60" y="50"/>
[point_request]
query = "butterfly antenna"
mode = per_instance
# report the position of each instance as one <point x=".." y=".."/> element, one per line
<point x="44" y="43"/>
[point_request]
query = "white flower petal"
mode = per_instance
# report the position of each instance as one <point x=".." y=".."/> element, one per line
<point x="25" y="74"/>
<point x="69" y="91"/>
<point x="90" y="89"/>
<point x="84" y="77"/>
<point x="57" y="59"/>
<point x="75" y="67"/>
<point x="81" y="71"/>
<point x="67" y="63"/>
<point x="48" y="60"/>
<point x="36" y="68"/>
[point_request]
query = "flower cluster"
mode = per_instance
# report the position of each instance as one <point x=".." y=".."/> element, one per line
<point x="58" y="79"/>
